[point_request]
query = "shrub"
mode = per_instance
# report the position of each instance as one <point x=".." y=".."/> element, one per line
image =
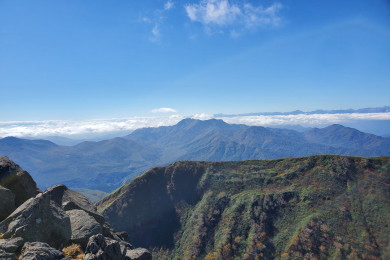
<point x="73" y="252"/>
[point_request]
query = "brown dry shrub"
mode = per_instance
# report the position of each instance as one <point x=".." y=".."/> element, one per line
<point x="73" y="252"/>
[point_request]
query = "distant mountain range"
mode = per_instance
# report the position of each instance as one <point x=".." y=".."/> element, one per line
<point x="105" y="165"/>
<point x="383" y="109"/>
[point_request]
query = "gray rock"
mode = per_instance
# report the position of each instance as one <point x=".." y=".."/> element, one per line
<point x="125" y="246"/>
<point x="123" y="235"/>
<point x="11" y="245"/>
<point x="38" y="219"/>
<point x="7" y="256"/>
<point x="68" y="200"/>
<point x="138" y="254"/>
<point x="83" y="226"/>
<point x="103" y="248"/>
<point x="40" y="251"/>
<point x="7" y="202"/>
<point x="17" y="180"/>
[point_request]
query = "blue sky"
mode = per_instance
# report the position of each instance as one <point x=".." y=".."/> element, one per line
<point x="78" y="60"/>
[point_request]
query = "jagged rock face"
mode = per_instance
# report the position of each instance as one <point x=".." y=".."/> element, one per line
<point x="318" y="207"/>
<point x="40" y="251"/>
<point x="16" y="186"/>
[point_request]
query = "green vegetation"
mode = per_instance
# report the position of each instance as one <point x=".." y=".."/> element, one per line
<point x="317" y="207"/>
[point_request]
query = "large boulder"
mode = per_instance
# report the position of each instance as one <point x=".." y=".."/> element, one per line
<point x="70" y="200"/>
<point x="83" y="226"/>
<point x="7" y="202"/>
<point x="38" y="219"/>
<point x="41" y="251"/>
<point x="17" y="180"/>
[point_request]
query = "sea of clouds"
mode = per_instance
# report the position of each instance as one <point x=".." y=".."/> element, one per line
<point x="95" y="127"/>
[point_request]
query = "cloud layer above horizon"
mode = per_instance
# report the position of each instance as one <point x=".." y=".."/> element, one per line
<point x="96" y="127"/>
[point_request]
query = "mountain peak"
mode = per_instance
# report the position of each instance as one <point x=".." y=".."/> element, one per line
<point x="209" y="122"/>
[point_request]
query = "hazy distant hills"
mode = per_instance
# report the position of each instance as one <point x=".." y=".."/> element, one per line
<point x="383" y="109"/>
<point x="107" y="164"/>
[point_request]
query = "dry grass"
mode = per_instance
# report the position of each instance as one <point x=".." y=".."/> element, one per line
<point x="73" y="252"/>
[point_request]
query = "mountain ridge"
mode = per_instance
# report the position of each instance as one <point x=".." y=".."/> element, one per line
<point x="110" y="163"/>
<point x="316" y="207"/>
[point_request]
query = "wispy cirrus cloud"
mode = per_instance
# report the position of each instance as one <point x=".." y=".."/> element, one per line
<point x="168" y="5"/>
<point x="234" y="16"/>
<point x="156" y="19"/>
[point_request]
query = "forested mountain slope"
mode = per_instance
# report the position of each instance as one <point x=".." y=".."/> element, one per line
<point x="316" y="207"/>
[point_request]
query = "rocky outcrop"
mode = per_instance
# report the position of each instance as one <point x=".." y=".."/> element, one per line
<point x="11" y="245"/>
<point x="16" y="186"/>
<point x="69" y="200"/>
<point x="57" y="216"/>
<point x="83" y="226"/>
<point x="41" y="251"/>
<point x="103" y="248"/>
<point x="17" y="180"/>
<point x="138" y="254"/>
<point x="7" y="202"/>
<point x="85" y="220"/>
<point x="38" y="219"/>
<point x="6" y="255"/>
<point x="54" y="219"/>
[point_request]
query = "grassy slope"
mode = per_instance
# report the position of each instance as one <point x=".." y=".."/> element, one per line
<point x="311" y="207"/>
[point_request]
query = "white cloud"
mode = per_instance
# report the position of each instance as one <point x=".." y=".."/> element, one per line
<point x="164" y="110"/>
<point x="219" y="12"/>
<point x="155" y="32"/>
<point x="104" y="126"/>
<point x="222" y="13"/>
<point x="304" y="119"/>
<point x="168" y="5"/>
<point x="82" y="127"/>
<point x="202" y="116"/>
